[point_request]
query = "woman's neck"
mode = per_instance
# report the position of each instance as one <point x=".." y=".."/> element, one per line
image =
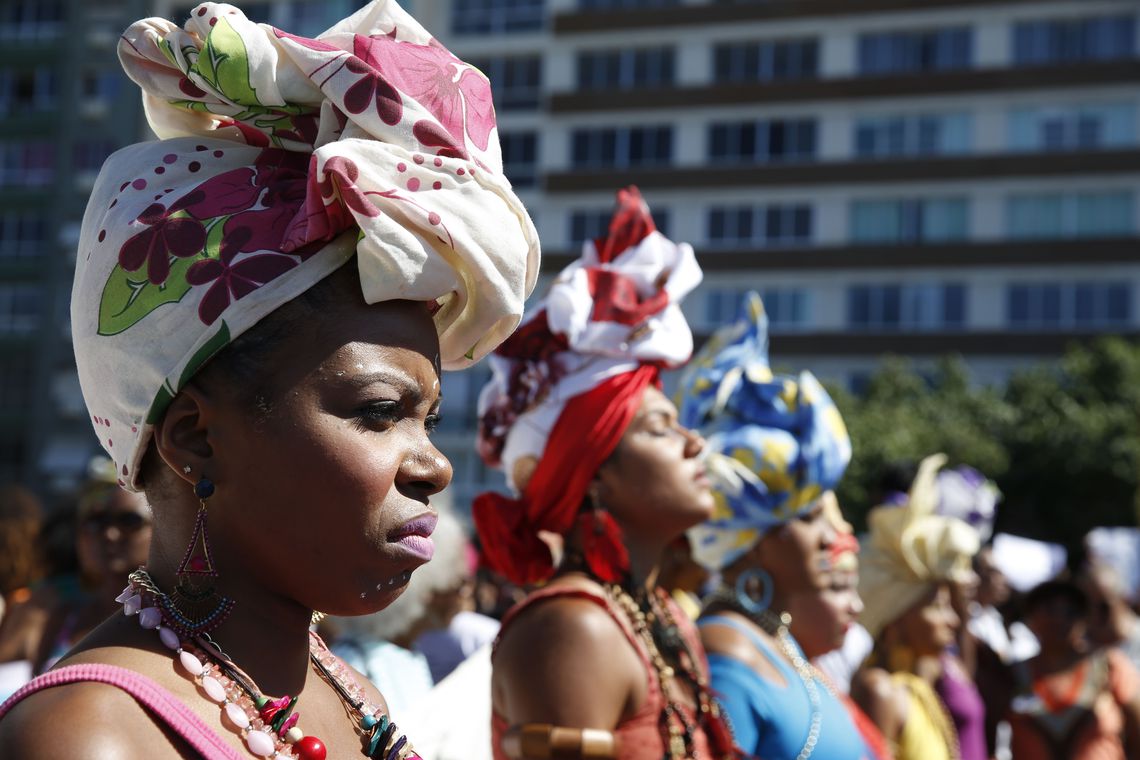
<point x="265" y="635"/>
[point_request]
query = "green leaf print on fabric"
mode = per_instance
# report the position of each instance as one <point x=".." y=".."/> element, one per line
<point x="220" y="340"/>
<point x="130" y="296"/>
<point x="225" y="64"/>
<point x="167" y="392"/>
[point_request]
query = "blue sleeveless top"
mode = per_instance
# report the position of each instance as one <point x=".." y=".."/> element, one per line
<point x="773" y="721"/>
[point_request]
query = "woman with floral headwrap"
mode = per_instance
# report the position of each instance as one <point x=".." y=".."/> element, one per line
<point x="778" y="445"/>
<point x="913" y="557"/>
<point x="263" y="300"/>
<point x="599" y="662"/>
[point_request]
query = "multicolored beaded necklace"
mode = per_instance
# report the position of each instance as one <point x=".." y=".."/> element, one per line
<point x="267" y="726"/>
<point x="655" y="625"/>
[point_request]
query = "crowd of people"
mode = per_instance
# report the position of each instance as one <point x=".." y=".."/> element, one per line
<point x="264" y="301"/>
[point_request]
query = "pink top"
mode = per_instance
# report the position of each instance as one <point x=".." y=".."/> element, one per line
<point x="163" y="705"/>
<point x="639" y="737"/>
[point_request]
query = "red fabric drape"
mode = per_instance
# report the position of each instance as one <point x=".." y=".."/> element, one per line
<point x="586" y="433"/>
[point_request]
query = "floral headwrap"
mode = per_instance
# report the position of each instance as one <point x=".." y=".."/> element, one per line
<point x="567" y="384"/>
<point x="281" y="158"/>
<point x="910" y="550"/>
<point x="776" y="443"/>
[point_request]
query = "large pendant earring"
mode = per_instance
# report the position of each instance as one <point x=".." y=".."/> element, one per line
<point x="194" y="607"/>
<point x="754" y="589"/>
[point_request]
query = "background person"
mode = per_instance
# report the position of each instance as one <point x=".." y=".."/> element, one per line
<point x="911" y="557"/>
<point x="1074" y="700"/>
<point x="777" y="444"/>
<point x="599" y="662"/>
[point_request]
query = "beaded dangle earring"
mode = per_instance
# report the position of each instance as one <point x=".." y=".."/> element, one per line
<point x="195" y="608"/>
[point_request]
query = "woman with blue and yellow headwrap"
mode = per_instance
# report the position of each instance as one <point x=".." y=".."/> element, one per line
<point x="778" y="445"/>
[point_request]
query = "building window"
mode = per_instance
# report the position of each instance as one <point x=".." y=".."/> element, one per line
<point x="774" y="141"/>
<point x="520" y="157"/>
<point x="516" y="82"/>
<point x="626" y="69"/>
<point x="90" y="154"/>
<point x="595" y="223"/>
<point x="19" y="308"/>
<point x="103" y="86"/>
<point x="787" y="308"/>
<point x="15" y="380"/>
<point x="1081" y="305"/>
<point x="913" y="135"/>
<point x="1053" y="41"/>
<point x="917" y="307"/>
<point x="1037" y="216"/>
<point x="622" y="147"/>
<point x="915" y="52"/>
<point x="25" y="91"/>
<point x="27" y="164"/>
<point x="22" y="233"/>
<point x="909" y="220"/>
<point x="780" y="60"/>
<point x="1078" y="127"/>
<point x="774" y="226"/>
<point x="497" y="16"/>
<point x="609" y="5"/>
<point x="31" y="20"/>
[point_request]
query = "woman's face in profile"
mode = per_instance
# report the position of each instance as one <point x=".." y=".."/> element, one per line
<point x="655" y="483"/>
<point x="325" y="489"/>
<point x="797" y="554"/>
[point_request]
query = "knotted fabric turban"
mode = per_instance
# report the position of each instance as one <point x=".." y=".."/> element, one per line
<point x="565" y="387"/>
<point x="911" y="549"/>
<point x="280" y="158"/>
<point x="776" y="442"/>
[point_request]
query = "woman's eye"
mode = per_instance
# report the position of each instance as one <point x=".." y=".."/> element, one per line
<point x="380" y="411"/>
<point x="431" y="422"/>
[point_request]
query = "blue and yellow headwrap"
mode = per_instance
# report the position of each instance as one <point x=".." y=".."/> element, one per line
<point x="776" y="442"/>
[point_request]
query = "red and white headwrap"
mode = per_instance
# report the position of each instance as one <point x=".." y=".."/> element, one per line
<point x="566" y="385"/>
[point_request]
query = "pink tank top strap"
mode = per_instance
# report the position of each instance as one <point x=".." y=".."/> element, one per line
<point x="160" y="702"/>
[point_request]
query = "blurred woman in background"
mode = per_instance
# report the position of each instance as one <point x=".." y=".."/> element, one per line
<point x="1073" y="701"/>
<point x="600" y="662"/>
<point x="912" y="557"/>
<point x="777" y="445"/>
<point x="113" y="530"/>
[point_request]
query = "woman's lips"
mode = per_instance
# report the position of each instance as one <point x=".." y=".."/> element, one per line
<point x="414" y="536"/>
<point x="421" y="547"/>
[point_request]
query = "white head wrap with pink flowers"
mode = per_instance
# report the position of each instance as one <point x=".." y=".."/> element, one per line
<point x="280" y="158"/>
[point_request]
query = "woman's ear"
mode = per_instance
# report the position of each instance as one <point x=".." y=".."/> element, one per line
<point x="182" y="437"/>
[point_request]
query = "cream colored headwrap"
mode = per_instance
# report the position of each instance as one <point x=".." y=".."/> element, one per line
<point x="282" y="157"/>
<point x="910" y="550"/>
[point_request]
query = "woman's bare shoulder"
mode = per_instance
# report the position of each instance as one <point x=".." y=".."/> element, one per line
<point x="884" y="700"/>
<point x="82" y="720"/>
<point x="566" y="660"/>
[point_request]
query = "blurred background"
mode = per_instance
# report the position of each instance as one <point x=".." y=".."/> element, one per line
<point x="939" y="201"/>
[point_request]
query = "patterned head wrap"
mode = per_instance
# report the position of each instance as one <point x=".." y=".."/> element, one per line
<point x="281" y="158"/>
<point x="912" y="549"/>
<point x="777" y="442"/>
<point x="967" y="494"/>
<point x="567" y="384"/>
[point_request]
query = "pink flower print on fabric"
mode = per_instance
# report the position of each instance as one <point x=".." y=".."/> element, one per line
<point x="234" y="280"/>
<point x="456" y="94"/>
<point x="165" y="237"/>
<point x="372" y="89"/>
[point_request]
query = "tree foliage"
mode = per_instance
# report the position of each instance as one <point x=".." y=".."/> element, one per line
<point x="1061" y="440"/>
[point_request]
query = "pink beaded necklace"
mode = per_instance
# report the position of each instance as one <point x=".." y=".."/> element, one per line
<point x="267" y="726"/>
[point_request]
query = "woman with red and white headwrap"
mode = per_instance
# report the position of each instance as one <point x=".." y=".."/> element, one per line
<point x="599" y="662"/>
